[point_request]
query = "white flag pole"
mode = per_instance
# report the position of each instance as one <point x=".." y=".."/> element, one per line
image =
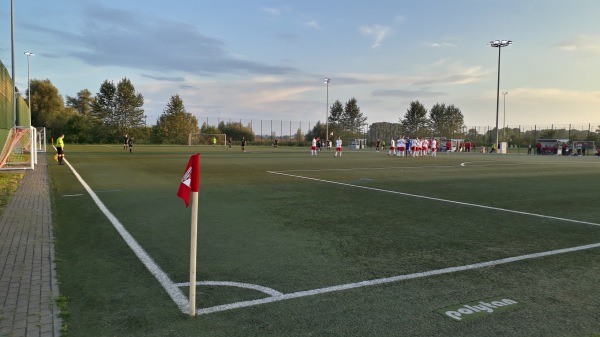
<point x="193" y="253"/>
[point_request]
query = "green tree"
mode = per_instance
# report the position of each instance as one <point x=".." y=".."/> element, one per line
<point x="82" y="103"/>
<point x="445" y="120"/>
<point x="233" y="130"/>
<point x="415" y="119"/>
<point x="175" y="123"/>
<point x="336" y="115"/>
<point x="318" y="131"/>
<point x="118" y="108"/>
<point x="352" y="119"/>
<point x="82" y="128"/>
<point x="211" y="129"/>
<point x="383" y="131"/>
<point x="130" y="106"/>
<point x="104" y="107"/>
<point x="47" y="105"/>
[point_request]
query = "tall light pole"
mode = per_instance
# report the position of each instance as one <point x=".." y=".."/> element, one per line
<point x="12" y="55"/>
<point x="327" y="80"/>
<point x="504" y="93"/>
<point x="28" y="83"/>
<point x="498" y="44"/>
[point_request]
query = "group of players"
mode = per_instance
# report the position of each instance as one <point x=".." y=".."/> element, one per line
<point x="410" y="147"/>
<point x="402" y="147"/>
<point x="315" y="146"/>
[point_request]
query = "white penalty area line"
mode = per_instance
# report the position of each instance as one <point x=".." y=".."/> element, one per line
<point x="437" y="199"/>
<point x="174" y="292"/>
<point x="283" y="297"/>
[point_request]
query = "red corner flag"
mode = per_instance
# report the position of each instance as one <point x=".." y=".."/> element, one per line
<point x="191" y="179"/>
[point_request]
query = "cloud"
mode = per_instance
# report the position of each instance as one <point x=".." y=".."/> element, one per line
<point x="407" y="93"/>
<point x="451" y="79"/>
<point x="164" y="78"/>
<point x="271" y="11"/>
<point x="113" y="37"/>
<point x="438" y="44"/>
<point x="313" y="24"/>
<point x="378" y="32"/>
<point x="582" y="44"/>
<point x="399" y="18"/>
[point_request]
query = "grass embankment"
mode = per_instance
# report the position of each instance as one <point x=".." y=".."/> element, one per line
<point x="9" y="182"/>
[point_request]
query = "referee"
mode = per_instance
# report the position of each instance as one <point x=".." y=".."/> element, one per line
<point x="60" y="148"/>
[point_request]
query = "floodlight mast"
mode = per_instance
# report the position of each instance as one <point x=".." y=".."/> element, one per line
<point x="504" y="93"/>
<point x="28" y="84"/>
<point x="498" y="44"/>
<point x="327" y="80"/>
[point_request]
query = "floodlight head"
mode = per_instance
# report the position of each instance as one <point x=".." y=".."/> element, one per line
<point x="505" y="93"/>
<point x="500" y="43"/>
<point x="29" y="54"/>
<point x="327" y="80"/>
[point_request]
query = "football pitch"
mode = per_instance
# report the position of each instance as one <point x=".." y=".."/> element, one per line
<point x="289" y="244"/>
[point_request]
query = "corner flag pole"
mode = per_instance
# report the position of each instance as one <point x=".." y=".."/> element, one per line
<point x="193" y="253"/>
<point x="190" y="184"/>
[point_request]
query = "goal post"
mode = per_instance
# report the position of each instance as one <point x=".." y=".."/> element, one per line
<point x="19" y="151"/>
<point x="214" y="139"/>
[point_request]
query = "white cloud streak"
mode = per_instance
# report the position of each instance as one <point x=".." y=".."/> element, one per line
<point x="378" y="32"/>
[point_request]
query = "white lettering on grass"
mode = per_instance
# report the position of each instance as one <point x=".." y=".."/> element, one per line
<point x="481" y="307"/>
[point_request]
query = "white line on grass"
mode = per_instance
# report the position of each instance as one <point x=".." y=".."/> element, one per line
<point x="277" y="298"/>
<point x="437" y="199"/>
<point x="176" y="294"/>
<point x="266" y="290"/>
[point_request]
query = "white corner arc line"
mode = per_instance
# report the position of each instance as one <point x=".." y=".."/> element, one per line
<point x="243" y="304"/>
<point x="439" y="199"/>
<point x="262" y="289"/>
<point x="174" y="292"/>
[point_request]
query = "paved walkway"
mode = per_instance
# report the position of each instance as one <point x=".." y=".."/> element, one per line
<point x="28" y="287"/>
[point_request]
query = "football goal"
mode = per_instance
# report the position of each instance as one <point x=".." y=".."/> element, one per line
<point x="584" y="147"/>
<point x="207" y="139"/>
<point x="19" y="151"/>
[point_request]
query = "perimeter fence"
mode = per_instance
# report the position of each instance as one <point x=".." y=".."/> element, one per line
<point x="294" y="133"/>
<point x="9" y="116"/>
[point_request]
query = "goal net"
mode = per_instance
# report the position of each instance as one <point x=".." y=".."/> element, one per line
<point x="207" y="139"/>
<point x="19" y="151"/>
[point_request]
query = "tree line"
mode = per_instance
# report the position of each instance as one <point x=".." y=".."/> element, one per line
<point x="114" y="111"/>
<point x="117" y="110"/>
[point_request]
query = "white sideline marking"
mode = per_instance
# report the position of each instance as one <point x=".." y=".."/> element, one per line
<point x="176" y="294"/>
<point x="243" y="304"/>
<point x="107" y="191"/>
<point x="438" y="199"/>
<point x="478" y="163"/>
<point x="266" y="290"/>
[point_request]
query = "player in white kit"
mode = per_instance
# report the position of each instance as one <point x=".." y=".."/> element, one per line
<point x="338" y="147"/>
<point x="424" y="146"/>
<point x="392" y="147"/>
<point x="401" y="144"/>
<point x="434" y="148"/>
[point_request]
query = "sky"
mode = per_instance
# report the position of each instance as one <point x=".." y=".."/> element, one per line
<point x="267" y="60"/>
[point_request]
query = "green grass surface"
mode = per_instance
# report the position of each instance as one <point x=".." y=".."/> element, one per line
<point x="342" y="220"/>
<point x="9" y="182"/>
